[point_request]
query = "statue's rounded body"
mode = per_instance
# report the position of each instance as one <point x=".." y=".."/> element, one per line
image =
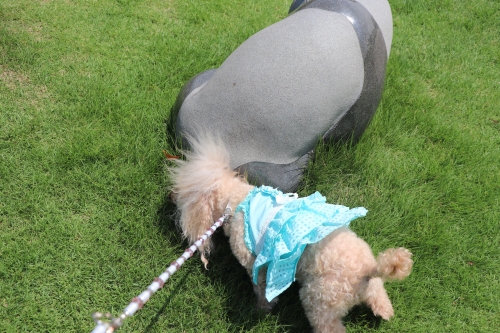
<point x="317" y="74"/>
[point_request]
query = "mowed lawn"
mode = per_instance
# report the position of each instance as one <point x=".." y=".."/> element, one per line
<point x="86" y="88"/>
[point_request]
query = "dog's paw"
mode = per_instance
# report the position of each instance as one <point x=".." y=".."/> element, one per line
<point x="383" y="310"/>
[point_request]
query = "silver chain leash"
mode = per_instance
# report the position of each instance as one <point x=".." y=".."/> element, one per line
<point x="106" y="323"/>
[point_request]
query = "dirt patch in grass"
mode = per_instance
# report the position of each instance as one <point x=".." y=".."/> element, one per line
<point x="19" y="82"/>
<point x="13" y="79"/>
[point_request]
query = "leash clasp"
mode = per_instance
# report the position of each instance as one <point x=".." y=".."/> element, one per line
<point x="228" y="213"/>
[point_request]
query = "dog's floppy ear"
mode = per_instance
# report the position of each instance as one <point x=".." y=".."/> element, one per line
<point x="197" y="216"/>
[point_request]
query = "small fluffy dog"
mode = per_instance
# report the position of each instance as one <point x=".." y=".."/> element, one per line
<point x="335" y="273"/>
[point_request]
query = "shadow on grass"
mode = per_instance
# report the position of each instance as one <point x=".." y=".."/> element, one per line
<point x="166" y="303"/>
<point x="166" y="217"/>
<point x="362" y="316"/>
<point x="330" y="161"/>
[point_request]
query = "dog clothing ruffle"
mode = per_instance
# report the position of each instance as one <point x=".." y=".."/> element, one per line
<point x="279" y="226"/>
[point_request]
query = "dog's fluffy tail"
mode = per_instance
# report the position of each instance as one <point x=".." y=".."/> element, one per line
<point x="394" y="264"/>
<point x="197" y="183"/>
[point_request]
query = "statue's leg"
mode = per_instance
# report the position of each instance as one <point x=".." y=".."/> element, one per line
<point x="286" y="177"/>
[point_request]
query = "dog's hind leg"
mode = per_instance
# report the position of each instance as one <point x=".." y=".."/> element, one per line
<point x="376" y="297"/>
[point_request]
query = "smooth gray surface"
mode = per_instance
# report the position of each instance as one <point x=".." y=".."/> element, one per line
<point x="281" y="90"/>
<point x="196" y="83"/>
<point x="354" y="121"/>
<point x="380" y="10"/>
<point x="319" y="73"/>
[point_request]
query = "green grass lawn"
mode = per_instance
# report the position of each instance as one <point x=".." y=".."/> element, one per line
<point x="86" y="88"/>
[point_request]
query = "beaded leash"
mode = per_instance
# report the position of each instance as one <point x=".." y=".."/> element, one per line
<point x="105" y="323"/>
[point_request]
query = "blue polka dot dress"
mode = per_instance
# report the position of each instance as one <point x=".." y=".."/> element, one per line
<point x="279" y="226"/>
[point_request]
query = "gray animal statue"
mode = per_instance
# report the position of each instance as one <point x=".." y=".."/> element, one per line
<point x="318" y="73"/>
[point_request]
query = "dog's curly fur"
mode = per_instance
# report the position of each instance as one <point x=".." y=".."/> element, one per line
<point x="335" y="274"/>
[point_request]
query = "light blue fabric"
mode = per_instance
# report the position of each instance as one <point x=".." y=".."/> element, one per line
<point x="258" y="206"/>
<point x="298" y="223"/>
